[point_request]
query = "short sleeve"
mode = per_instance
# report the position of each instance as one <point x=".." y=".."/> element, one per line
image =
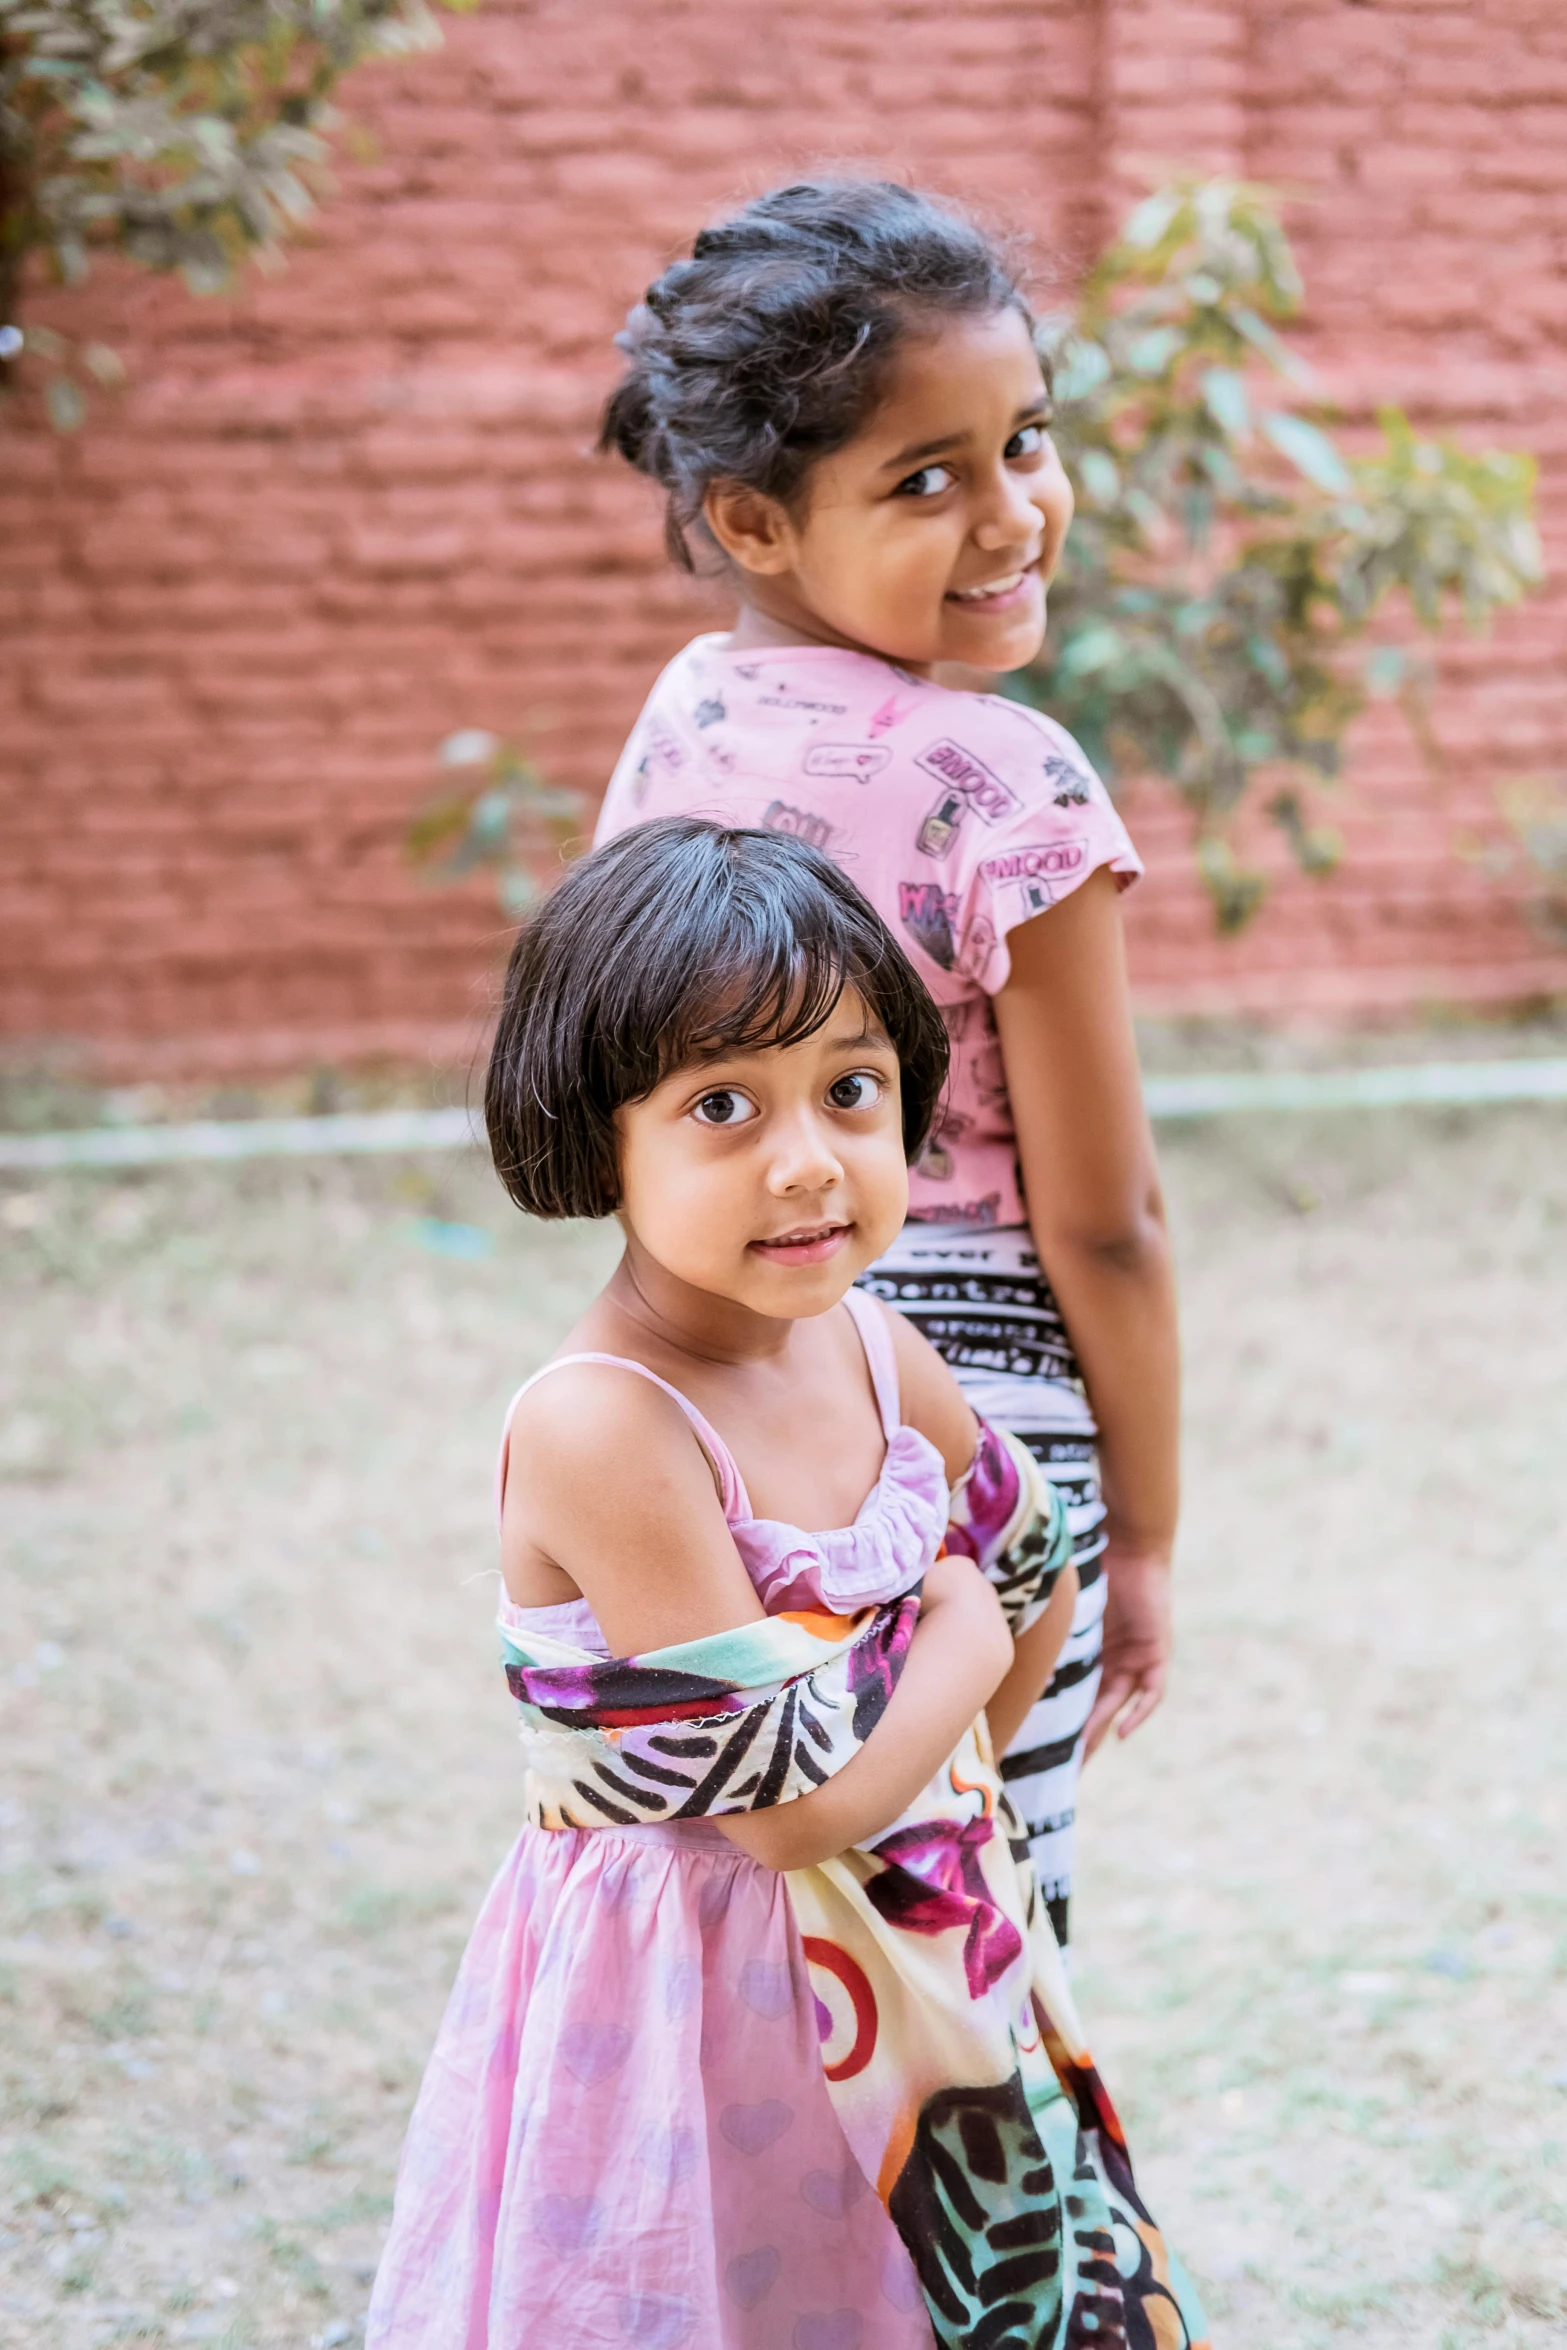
<point x="1037" y="822"/>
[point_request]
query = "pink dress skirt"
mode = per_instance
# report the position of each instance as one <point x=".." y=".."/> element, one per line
<point x="625" y="2136"/>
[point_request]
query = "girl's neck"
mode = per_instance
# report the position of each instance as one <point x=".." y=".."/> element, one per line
<point x="671" y="1317"/>
<point x="774" y="618"/>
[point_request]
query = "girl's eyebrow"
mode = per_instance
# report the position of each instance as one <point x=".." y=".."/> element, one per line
<point x="907" y="457"/>
<point x="957" y="440"/>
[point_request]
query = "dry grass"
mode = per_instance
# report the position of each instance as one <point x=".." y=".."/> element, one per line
<point x="257" y="1761"/>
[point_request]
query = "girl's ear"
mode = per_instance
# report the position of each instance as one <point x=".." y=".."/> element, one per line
<point x="753" y="529"/>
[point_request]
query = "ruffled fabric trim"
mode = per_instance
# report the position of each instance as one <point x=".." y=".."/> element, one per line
<point x="886" y="1551"/>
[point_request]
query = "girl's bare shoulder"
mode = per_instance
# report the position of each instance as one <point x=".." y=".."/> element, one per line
<point x="598" y="1424"/>
<point x="608" y="1485"/>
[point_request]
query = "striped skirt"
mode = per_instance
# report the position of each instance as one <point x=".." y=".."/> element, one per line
<point x="982" y="1300"/>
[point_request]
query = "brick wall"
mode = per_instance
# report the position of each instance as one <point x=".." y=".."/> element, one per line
<point x="353" y="507"/>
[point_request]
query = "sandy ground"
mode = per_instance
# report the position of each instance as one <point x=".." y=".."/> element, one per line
<point x="257" y="1759"/>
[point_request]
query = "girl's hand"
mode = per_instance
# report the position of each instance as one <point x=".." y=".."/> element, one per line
<point x="1138" y="1641"/>
<point x="961" y="1650"/>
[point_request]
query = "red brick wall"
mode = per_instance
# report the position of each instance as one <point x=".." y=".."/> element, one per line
<point x="353" y="507"/>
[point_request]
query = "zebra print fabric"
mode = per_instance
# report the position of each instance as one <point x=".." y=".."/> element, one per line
<point x="982" y="1300"/>
<point x="735" y="1723"/>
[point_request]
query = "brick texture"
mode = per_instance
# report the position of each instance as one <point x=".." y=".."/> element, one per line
<point x="354" y="506"/>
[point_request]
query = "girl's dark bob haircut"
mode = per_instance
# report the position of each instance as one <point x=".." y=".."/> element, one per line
<point x="675" y="943"/>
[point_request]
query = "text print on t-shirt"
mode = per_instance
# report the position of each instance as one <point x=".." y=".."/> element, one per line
<point x="800" y="823"/>
<point x="1035" y="872"/>
<point x="858" y="760"/>
<point x="928" y="912"/>
<point x="967" y="783"/>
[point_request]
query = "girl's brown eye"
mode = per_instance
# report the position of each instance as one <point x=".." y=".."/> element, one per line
<point x="929" y="482"/>
<point x="861" y="1091"/>
<point x="1029" y="442"/>
<point x="722" y="1107"/>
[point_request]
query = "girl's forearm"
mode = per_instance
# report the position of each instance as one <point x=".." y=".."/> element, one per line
<point x="1117" y="1296"/>
<point x="960" y="1651"/>
<point x="1033" y="1662"/>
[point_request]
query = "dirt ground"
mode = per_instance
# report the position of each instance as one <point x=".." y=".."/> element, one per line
<point x="258" y="1761"/>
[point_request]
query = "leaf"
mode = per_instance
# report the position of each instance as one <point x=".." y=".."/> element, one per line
<point x="1385" y="670"/>
<point x="469" y="747"/>
<point x="1236" y="891"/>
<point x="490" y="821"/>
<point x="65" y="404"/>
<point x="1094" y="647"/>
<point x="1148" y="224"/>
<point x="1272" y="346"/>
<point x="1308" y="449"/>
<point x="1100" y="476"/>
<point x="1081" y="371"/>
<point x="437" y="827"/>
<point x="1150" y="354"/>
<point x="1317" y="847"/>
<point x="1224" y="397"/>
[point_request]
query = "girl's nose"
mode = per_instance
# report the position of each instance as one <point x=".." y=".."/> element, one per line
<point x="1009" y="517"/>
<point x="803" y="1158"/>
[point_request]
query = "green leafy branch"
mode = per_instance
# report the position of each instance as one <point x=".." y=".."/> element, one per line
<point x="1233" y="583"/>
<point x="187" y="135"/>
<point x="507" y="819"/>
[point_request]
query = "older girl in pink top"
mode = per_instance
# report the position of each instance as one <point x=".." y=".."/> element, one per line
<point x="840" y="394"/>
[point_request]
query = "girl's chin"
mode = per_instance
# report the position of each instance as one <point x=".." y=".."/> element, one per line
<point x="996" y="637"/>
<point x="992" y="645"/>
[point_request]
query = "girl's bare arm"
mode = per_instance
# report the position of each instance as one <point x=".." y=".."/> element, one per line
<point x="960" y="1651"/>
<point x="1097" y="1215"/>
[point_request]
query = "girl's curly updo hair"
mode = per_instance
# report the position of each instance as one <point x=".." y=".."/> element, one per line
<point x="768" y="348"/>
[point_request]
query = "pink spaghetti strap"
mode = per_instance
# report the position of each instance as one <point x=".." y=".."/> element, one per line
<point x="731" y="1488"/>
<point x="870" y="1320"/>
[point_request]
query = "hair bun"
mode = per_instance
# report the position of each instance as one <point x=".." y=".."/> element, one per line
<point x="766" y="347"/>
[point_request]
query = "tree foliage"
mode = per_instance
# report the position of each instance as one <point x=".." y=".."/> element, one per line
<point x="503" y="816"/>
<point x="1236" y="585"/>
<point x="187" y="135"/>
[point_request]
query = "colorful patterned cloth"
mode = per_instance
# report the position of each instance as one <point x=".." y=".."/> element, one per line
<point x="753" y="1717"/>
<point x="950" y="2044"/>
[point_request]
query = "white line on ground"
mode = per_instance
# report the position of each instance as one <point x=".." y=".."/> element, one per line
<point x="1204" y="1095"/>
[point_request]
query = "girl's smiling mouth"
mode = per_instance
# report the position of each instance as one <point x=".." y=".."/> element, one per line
<point x="1006" y="594"/>
<point x="809" y="1244"/>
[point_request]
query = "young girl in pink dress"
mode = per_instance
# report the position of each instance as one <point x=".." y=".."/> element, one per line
<point x="839" y="394"/>
<point x="761" y="2041"/>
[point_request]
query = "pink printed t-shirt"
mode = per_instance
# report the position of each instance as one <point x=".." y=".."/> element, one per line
<point x="959" y="815"/>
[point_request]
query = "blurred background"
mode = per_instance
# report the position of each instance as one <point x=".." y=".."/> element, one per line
<point x="320" y="628"/>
